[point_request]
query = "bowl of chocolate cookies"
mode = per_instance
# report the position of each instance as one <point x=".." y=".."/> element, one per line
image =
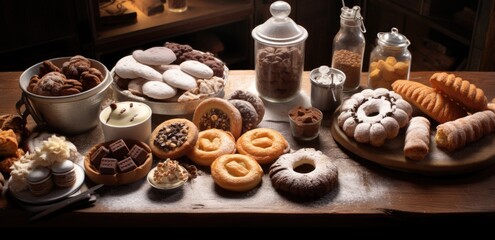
<point x="172" y="79"/>
<point x="64" y="94"/>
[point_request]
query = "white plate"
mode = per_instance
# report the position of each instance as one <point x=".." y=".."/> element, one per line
<point x="165" y="186"/>
<point x="57" y="193"/>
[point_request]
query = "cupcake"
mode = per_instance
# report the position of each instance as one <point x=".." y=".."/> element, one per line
<point x="63" y="173"/>
<point x="40" y="181"/>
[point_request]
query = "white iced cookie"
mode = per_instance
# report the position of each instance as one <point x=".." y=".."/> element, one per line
<point x="155" y="56"/>
<point x="128" y="67"/>
<point x="164" y="68"/>
<point x="179" y="79"/>
<point x="196" y="69"/>
<point x="158" y="90"/>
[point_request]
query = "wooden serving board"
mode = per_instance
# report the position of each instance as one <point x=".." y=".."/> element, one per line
<point x="438" y="162"/>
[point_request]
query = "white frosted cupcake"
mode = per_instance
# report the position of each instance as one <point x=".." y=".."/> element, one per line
<point x="40" y="181"/>
<point x="64" y="174"/>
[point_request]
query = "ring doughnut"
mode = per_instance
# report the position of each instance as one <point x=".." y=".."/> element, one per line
<point x="236" y="172"/>
<point x="212" y="143"/>
<point x="248" y="114"/>
<point x="289" y="173"/>
<point x="253" y="99"/>
<point x="263" y="144"/>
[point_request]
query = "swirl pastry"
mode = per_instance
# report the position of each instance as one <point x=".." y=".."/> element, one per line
<point x="236" y="172"/>
<point x="460" y="90"/>
<point x="429" y="101"/>
<point x="417" y="143"/>
<point x="211" y="144"/>
<point x="456" y="134"/>
<point x="263" y="144"/>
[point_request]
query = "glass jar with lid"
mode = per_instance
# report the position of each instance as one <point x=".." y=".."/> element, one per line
<point x="348" y="47"/>
<point x="279" y="55"/>
<point x="390" y="60"/>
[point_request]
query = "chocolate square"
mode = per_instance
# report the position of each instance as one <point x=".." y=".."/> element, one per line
<point x="126" y="165"/>
<point x="138" y="154"/>
<point x="108" y="166"/>
<point x="119" y="149"/>
<point x="98" y="155"/>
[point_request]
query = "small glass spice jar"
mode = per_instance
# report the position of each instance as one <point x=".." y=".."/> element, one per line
<point x="279" y="55"/>
<point x="305" y="122"/>
<point x="390" y="60"/>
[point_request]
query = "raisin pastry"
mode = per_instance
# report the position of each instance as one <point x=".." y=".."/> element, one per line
<point x="173" y="138"/>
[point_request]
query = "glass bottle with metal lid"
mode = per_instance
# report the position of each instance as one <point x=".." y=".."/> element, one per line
<point x="348" y="46"/>
<point x="390" y="60"/>
<point x="279" y="55"/>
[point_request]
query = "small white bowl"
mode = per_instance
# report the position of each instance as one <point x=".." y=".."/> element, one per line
<point x="166" y="187"/>
<point x="131" y="120"/>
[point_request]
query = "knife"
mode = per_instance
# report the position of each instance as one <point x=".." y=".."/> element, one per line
<point x="67" y="202"/>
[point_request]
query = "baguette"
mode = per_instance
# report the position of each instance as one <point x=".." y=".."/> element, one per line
<point x="428" y="100"/>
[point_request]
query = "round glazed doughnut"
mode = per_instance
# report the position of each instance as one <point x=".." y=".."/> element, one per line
<point x="306" y="173"/>
<point x="263" y="144"/>
<point x="173" y="138"/>
<point x="218" y="113"/>
<point x="236" y="172"/>
<point x="212" y="143"/>
<point x="253" y="99"/>
<point x="248" y="114"/>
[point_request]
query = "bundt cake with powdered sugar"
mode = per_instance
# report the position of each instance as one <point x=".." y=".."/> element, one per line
<point x="373" y="116"/>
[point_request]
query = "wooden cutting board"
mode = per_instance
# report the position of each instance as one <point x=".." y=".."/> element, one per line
<point x="438" y="162"/>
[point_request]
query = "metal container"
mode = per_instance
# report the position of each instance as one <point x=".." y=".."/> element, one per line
<point x="71" y="114"/>
<point x="327" y="85"/>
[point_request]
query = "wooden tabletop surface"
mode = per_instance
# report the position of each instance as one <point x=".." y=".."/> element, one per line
<point x="368" y="194"/>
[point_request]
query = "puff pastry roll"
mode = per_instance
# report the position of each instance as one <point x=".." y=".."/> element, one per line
<point x="417" y="143"/>
<point x="456" y="134"/>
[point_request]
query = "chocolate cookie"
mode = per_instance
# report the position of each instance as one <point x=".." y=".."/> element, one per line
<point x="248" y="113"/>
<point x="253" y="99"/>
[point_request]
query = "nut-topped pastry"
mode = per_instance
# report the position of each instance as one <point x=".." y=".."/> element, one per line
<point x="218" y="113"/>
<point x="173" y="138"/>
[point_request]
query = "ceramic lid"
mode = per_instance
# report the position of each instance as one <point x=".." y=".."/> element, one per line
<point x="280" y="29"/>
<point x="393" y="39"/>
<point x="38" y="174"/>
<point x="62" y="167"/>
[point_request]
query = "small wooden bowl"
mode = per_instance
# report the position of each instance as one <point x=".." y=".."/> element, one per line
<point x="118" y="178"/>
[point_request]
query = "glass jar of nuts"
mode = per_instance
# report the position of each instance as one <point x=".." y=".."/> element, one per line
<point x="390" y="60"/>
<point x="348" y="47"/>
<point x="279" y="55"/>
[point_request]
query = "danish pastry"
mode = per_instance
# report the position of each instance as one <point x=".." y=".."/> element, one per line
<point x="456" y="134"/>
<point x="460" y="90"/>
<point x="211" y="144"/>
<point x="429" y="101"/>
<point x="263" y="144"/>
<point x="236" y="172"/>
<point x="173" y="138"/>
<point x="417" y="143"/>
<point x="218" y="113"/>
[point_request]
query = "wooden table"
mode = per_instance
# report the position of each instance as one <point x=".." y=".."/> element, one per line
<point x="368" y="194"/>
